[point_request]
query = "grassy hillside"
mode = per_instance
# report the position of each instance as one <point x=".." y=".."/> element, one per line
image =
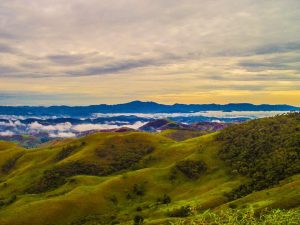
<point x="111" y="178"/>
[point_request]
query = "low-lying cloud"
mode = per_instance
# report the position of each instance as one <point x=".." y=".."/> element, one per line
<point x="60" y="130"/>
<point x="62" y="135"/>
<point x="6" y="133"/>
<point x="43" y="127"/>
<point x="57" y="127"/>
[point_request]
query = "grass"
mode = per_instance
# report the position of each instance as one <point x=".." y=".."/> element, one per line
<point x="181" y="134"/>
<point x="92" y="199"/>
<point x="237" y="217"/>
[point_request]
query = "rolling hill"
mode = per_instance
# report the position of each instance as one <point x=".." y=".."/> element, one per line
<point x="248" y="171"/>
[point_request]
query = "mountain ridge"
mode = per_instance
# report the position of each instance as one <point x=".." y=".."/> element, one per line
<point x="138" y="107"/>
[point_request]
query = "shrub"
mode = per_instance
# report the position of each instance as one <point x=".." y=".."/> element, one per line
<point x="114" y="199"/>
<point x="65" y="152"/>
<point x="173" y="174"/>
<point x="8" y="201"/>
<point x="138" y="219"/>
<point x="58" y="175"/>
<point x="10" y="163"/>
<point x="232" y="205"/>
<point x="114" y="222"/>
<point x="126" y="154"/>
<point x="191" y="168"/>
<point x="139" y="189"/>
<point x="183" y="211"/>
<point x="166" y="199"/>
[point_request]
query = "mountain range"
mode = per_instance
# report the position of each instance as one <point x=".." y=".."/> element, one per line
<point x="136" y="107"/>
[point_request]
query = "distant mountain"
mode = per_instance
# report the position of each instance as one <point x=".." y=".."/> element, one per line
<point x="156" y="125"/>
<point x="166" y="124"/>
<point x="180" y="131"/>
<point x="136" y="107"/>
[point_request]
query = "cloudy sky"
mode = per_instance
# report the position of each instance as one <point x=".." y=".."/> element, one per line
<point x="111" y="51"/>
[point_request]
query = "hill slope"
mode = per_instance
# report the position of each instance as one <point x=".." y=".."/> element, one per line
<point x="107" y="178"/>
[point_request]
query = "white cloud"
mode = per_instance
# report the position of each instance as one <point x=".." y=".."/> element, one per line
<point x="220" y="114"/>
<point x="87" y="127"/>
<point x="11" y="123"/>
<point x="136" y="125"/>
<point x="67" y="129"/>
<point x="7" y="133"/>
<point x="62" y="135"/>
<point x="57" y="127"/>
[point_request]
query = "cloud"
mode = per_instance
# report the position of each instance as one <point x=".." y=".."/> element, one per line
<point x="4" y="48"/>
<point x="280" y="76"/>
<point x="115" y="67"/>
<point x="72" y="59"/>
<point x="35" y="98"/>
<point x="11" y="123"/>
<point x="7" y="133"/>
<point x="58" y="127"/>
<point x="218" y="114"/>
<point x="278" y="48"/>
<point x="261" y="65"/>
<point x="87" y="127"/>
<point x="145" y="48"/>
<point x="62" y="135"/>
<point x="8" y="70"/>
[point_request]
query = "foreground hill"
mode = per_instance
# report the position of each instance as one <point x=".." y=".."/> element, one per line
<point x="130" y="177"/>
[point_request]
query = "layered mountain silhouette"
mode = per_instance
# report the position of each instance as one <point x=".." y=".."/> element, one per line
<point x="137" y="107"/>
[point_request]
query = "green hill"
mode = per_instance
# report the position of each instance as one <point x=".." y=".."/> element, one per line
<point x="243" y="173"/>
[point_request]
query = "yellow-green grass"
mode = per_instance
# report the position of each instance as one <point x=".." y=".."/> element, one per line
<point x="86" y="196"/>
<point x="181" y="134"/>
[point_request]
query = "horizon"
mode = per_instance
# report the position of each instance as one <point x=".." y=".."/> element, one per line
<point x="82" y="52"/>
<point x="149" y="112"/>
<point x="159" y="103"/>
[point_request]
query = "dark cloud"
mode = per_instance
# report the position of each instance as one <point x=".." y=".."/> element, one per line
<point x="7" y="36"/>
<point x="125" y="65"/>
<point x="6" y="70"/>
<point x="261" y="65"/>
<point x="116" y="67"/>
<point x="14" y="72"/>
<point x="5" y="48"/>
<point x="34" y="98"/>
<point x="67" y="59"/>
<point x="255" y="77"/>
<point x="266" y="49"/>
<point x="278" y="48"/>
<point x="281" y="62"/>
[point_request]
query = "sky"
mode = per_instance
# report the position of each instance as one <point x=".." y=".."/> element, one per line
<point x="81" y="52"/>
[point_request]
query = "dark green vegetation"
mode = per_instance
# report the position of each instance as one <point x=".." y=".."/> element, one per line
<point x="245" y="174"/>
<point x="265" y="150"/>
<point x="10" y="163"/>
<point x="191" y="168"/>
